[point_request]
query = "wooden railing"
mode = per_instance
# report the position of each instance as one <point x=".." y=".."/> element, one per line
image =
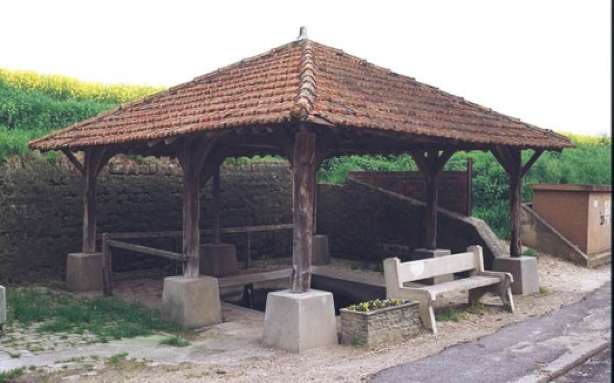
<point x="117" y="240"/>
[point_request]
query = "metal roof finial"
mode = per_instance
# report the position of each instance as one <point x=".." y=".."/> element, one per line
<point x="302" y="34"/>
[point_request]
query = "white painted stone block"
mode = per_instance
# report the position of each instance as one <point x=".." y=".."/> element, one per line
<point x="299" y="322"/>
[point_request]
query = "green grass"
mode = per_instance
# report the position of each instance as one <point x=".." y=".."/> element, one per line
<point x="543" y="290"/>
<point x="477" y="309"/>
<point x="530" y="253"/>
<point x="117" y="360"/>
<point x="448" y="314"/>
<point x="14" y="355"/>
<point x="174" y="341"/>
<point x="10" y="375"/>
<point x="106" y="317"/>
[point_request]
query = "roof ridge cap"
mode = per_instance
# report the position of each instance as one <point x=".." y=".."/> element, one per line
<point x="305" y="100"/>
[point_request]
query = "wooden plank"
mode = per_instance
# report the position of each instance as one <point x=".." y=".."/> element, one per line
<point x="191" y="209"/>
<point x="226" y="230"/>
<point x="462" y="284"/>
<point x="245" y="279"/>
<point x="146" y="250"/>
<point x="303" y="172"/>
<point x="89" y="200"/>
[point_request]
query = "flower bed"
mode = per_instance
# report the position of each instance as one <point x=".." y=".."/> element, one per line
<point x="376" y="322"/>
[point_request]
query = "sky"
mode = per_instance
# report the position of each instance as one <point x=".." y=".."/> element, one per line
<point x="547" y="62"/>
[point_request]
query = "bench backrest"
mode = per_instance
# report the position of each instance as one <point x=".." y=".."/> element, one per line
<point x="397" y="272"/>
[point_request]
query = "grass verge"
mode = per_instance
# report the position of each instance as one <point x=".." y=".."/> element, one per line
<point x="174" y="341"/>
<point x="10" y="375"/>
<point x="107" y="317"/>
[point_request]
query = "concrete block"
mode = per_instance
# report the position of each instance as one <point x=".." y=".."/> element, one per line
<point x="2" y="306"/>
<point x="84" y="272"/>
<point x="299" y="322"/>
<point x="218" y="259"/>
<point x="321" y="255"/>
<point x="524" y="271"/>
<point x="419" y="254"/>
<point x="192" y="303"/>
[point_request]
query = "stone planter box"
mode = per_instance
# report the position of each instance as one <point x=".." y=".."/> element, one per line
<point x="387" y="325"/>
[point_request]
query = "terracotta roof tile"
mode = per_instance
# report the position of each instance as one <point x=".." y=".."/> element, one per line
<point x="304" y="81"/>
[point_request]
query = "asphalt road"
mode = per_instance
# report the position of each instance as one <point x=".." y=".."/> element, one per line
<point x="529" y="351"/>
<point x="597" y="369"/>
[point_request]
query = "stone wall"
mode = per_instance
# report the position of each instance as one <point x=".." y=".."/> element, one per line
<point x="369" y="223"/>
<point x="389" y="325"/>
<point x="41" y="215"/>
<point x="41" y="211"/>
<point x="454" y="186"/>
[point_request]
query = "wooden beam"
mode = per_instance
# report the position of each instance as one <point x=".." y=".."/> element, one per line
<point x="531" y="162"/>
<point x="431" y="163"/>
<point x="146" y="250"/>
<point x="91" y="164"/>
<point x="515" y="202"/>
<point x="216" y="206"/>
<point x="303" y="176"/>
<point x="192" y="166"/>
<point x="71" y="157"/>
<point x="107" y="266"/>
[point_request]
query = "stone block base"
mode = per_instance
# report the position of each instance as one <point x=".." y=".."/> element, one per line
<point x="84" y="272"/>
<point x="192" y="303"/>
<point x="419" y="254"/>
<point x="218" y="260"/>
<point x="321" y="255"/>
<point x="298" y="322"/>
<point x="524" y="271"/>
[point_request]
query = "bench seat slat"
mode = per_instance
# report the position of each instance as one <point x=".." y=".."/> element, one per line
<point x="461" y="285"/>
<point x="428" y="268"/>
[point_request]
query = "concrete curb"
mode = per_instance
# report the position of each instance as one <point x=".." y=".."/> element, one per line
<point x="566" y="362"/>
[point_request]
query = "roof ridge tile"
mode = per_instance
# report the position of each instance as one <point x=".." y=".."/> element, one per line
<point x="307" y="83"/>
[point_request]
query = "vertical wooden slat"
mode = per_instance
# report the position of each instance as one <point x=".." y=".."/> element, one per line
<point x="216" y="206"/>
<point x="303" y="195"/>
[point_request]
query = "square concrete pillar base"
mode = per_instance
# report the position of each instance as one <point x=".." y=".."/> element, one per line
<point x="524" y="271"/>
<point x="218" y="259"/>
<point x="419" y="254"/>
<point x="321" y="255"/>
<point x="84" y="272"/>
<point x="298" y="322"/>
<point x="191" y="303"/>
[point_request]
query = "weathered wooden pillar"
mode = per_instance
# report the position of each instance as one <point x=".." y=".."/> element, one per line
<point x="89" y="202"/>
<point x="511" y="161"/>
<point x="430" y="163"/>
<point x="303" y="195"/>
<point x="216" y="206"/>
<point x="515" y="203"/>
<point x="191" y="212"/>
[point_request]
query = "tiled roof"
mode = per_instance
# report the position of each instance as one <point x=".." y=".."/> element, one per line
<point x="305" y="81"/>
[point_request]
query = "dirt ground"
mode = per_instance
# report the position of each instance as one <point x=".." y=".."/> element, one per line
<point x="563" y="283"/>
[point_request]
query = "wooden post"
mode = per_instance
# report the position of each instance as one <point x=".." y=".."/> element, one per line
<point x="303" y="192"/>
<point x="511" y="161"/>
<point x="89" y="202"/>
<point x="191" y="213"/>
<point x="94" y="161"/>
<point x="430" y="164"/>
<point x="515" y="203"/>
<point x="216" y="206"/>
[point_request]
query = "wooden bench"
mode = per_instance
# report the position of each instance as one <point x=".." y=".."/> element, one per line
<point x="478" y="283"/>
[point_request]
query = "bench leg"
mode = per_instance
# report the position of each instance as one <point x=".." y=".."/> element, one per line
<point x="427" y="314"/>
<point x="476" y="294"/>
<point x="505" y="292"/>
